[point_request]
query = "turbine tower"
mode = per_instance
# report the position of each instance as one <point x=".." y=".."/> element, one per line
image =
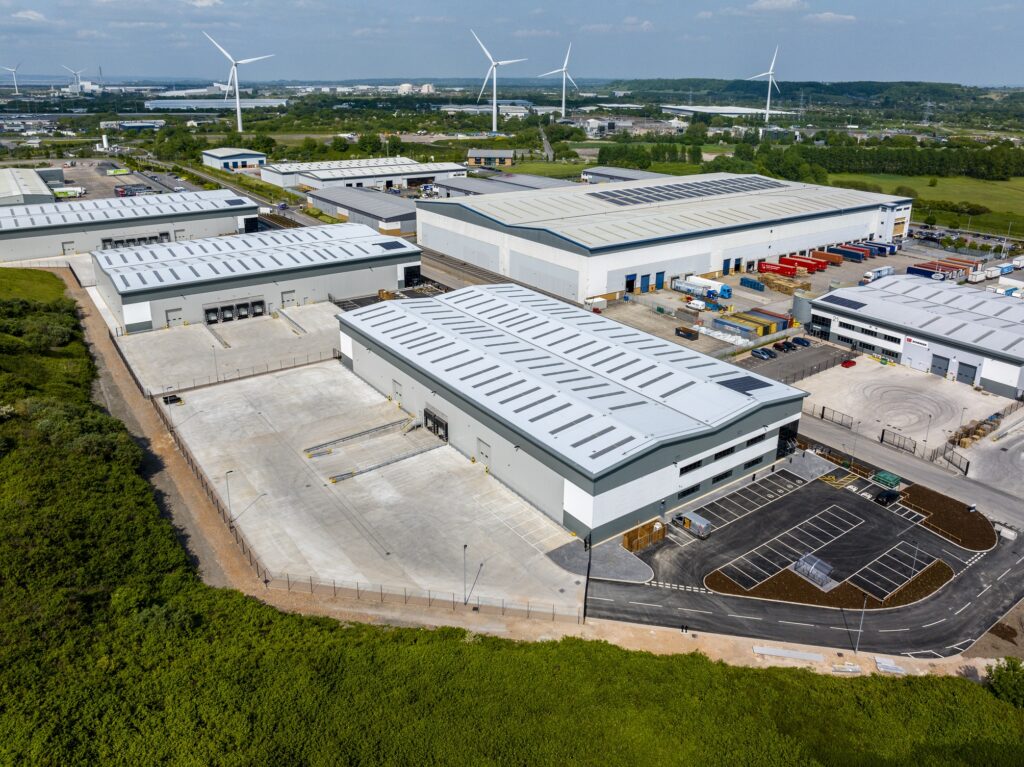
<point x="770" y="74"/>
<point x="492" y="75"/>
<point x="14" y="72"/>
<point x="564" y="71"/>
<point x="77" y="78"/>
<point x="234" y="76"/>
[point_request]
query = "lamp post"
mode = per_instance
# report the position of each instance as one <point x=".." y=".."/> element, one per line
<point x="963" y="412"/>
<point x="216" y="375"/>
<point x="928" y="430"/>
<point x="227" y="486"/>
<point x="232" y="519"/>
<point x="465" y="596"/>
<point x="860" y="630"/>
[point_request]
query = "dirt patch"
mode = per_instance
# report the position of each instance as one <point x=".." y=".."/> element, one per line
<point x="1005" y="632"/>
<point x="998" y="642"/>
<point x="787" y="586"/>
<point x="951" y="518"/>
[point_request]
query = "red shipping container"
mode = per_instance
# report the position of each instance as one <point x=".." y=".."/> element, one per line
<point x="768" y="268"/>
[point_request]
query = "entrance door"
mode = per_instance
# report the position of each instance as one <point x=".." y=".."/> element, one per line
<point x="411" y="276"/>
<point x="940" y="365"/>
<point x="396" y="391"/>
<point x="630" y="283"/>
<point x="435" y="425"/>
<point x="287" y="298"/>
<point x="659" y="280"/>
<point x="966" y="373"/>
<point x="645" y="283"/>
<point x="68" y="248"/>
<point x="483" y="452"/>
<point x="174" y="317"/>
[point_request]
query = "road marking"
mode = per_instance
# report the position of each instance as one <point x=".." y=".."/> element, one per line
<point x="1003" y="573"/>
<point x="1019" y="560"/>
<point x="693" y="610"/>
<point x="603" y="599"/>
<point x="962" y="609"/>
<point x="890" y="631"/>
<point x="794" y="623"/>
<point x="958" y="559"/>
<point x="933" y="623"/>
<point x="844" y="628"/>
<point x="984" y="590"/>
<point x="644" y="604"/>
<point x="745" y="617"/>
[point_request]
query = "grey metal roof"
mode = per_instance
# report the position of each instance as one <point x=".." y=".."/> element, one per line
<point x="992" y="324"/>
<point x="380" y="205"/>
<point x="622" y="174"/>
<point x="473" y="185"/>
<point x="227" y="151"/>
<point x="15" y="182"/>
<point x="408" y="169"/>
<point x="153" y="267"/>
<point x="368" y="162"/>
<point x="116" y="210"/>
<point x="495" y="154"/>
<point x="585" y="388"/>
<point x="594" y="218"/>
<point x="530" y="181"/>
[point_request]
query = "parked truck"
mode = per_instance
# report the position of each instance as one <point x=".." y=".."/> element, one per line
<point x="720" y="288"/>
<point x="849" y="255"/>
<point x="812" y="265"/>
<point x="766" y="267"/>
<point x="878" y="272"/>
<point x="935" y="273"/>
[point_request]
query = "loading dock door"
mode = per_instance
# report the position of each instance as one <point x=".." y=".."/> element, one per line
<point x="966" y="373"/>
<point x="940" y="365"/>
<point x="659" y="280"/>
<point x="435" y="425"/>
<point x="645" y="283"/>
<point x="287" y="298"/>
<point x="725" y="267"/>
<point x="630" y="283"/>
<point x="68" y="248"/>
<point x="174" y="317"/>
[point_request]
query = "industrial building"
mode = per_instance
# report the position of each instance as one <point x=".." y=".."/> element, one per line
<point x="80" y="226"/>
<point x="388" y="177"/>
<point x="23" y="186"/>
<point x="212" y="105"/>
<point x="957" y="332"/>
<point x="490" y="158"/>
<point x="230" y="158"/>
<point x="586" y="242"/>
<point x="499" y="182"/>
<point x="718" y="111"/>
<point x="387" y="213"/>
<point x="598" y="425"/>
<point x="287" y="173"/>
<point x="602" y="173"/>
<point x="227" y="279"/>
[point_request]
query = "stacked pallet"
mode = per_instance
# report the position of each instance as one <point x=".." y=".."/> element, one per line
<point x="785" y="285"/>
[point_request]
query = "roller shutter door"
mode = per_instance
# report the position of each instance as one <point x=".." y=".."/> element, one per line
<point x="966" y="373"/>
<point x="940" y="365"/>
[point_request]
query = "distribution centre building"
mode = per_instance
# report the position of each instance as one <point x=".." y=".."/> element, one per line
<point x="599" y="425"/>
<point x="224" y="279"/>
<point x="230" y="158"/>
<point x="23" y="186"/>
<point x="387" y="213"/>
<point x="81" y="226"/>
<point x="957" y="332"/>
<point x="287" y="173"/>
<point x="499" y="182"/>
<point x="390" y="177"/>
<point x="585" y="242"/>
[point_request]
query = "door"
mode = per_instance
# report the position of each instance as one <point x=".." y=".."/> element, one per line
<point x="966" y="373"/>
<point x="940" y="365"/>
<point x="396" y="391"/>
<point x="737" y="264"/>
<point x="483" y="452"/>
<point x="630" y="283"/>
<point x="659" y="280"/>
<point x="173" y="317"/>
<point x="68" y="248"/>
<point x="645" y="283"/>
<point x="435" y="424"/>
<point x="287" y="298"/>
<point x="725" y="267"/>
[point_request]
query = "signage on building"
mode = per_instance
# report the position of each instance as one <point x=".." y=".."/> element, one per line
<point x="915" y="342"/>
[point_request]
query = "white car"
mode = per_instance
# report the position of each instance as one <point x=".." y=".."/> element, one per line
<point x="180" y="189"/>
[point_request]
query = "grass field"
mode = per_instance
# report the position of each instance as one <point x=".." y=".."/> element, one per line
<point x="550" y="169"/>
<point x="23" y="283"/>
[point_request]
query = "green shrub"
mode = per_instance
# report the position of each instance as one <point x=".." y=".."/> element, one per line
<point x="1006" y="680"/>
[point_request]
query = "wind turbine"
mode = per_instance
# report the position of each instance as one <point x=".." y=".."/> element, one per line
<point x="492" y="75"/>
<point x="14" y="72"/>
<point x="234" y="76"/>
<point x="77" y="78"/>
<point x="565" y="74"/>
<point x="770" y="74"/>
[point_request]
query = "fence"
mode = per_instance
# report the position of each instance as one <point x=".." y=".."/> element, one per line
<point x="898" y="441"/>
<point x="837" y="358"/>
<point x="842" y="419"/>
<point x="945" y="454"/>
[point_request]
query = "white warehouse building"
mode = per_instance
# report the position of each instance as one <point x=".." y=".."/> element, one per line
<point x="81" y="226"/>
<point x="960" y="333"/>
<point x="287" y="173"/>
<point x="376" y="172"/>
<point x="227" y="279"/>
<point x="584" y="242"/>
<point x="599" y="425"/>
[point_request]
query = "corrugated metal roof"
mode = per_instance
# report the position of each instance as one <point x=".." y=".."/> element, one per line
<point x="372" y="203"/>
<point x="530" y="181"/>
<point x="412" y="169"/>
<point x="586" y="388"/>
<point x="120" y="209"/>
<point x="15" y="182"/>
<point x="227" y="151"/>
<point x="494" y="154"/>
<point x="989" y="322"/>
<point x="152" y="267"/>
<point x="369" y="162"/>
<point x="473" y="185"/>
<point x="587" y="216"/>
<point x="624" y="174"/>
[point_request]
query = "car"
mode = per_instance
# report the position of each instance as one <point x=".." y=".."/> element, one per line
<point x="771" y="355"/>
<point x="801" y="341"/>
<point x="780" y="347"/>
<point x="790" y="346"/>
<point x="847" y="363"/>
<point x="179" y="189"/>
<point x="760" y="354"/>
<point x="887" y="497"/>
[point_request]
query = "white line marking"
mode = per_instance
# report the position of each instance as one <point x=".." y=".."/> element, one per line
<point x="890" y="631"/>
<point x="843" y="628"/>
<point x="644" y="604"/>
<point x="962" y="609"/>
<point x="1019" y="560"/>
<point x="933" y="623"/>
<point x="693" y="610"/>
<point x="958" y="559"/>
<point x="984" y="590"/>
<point x="794" y="623"/>
<point x="1003" y="573"/>
<point x="603" y="599"/>
<point x="745" y="617"/>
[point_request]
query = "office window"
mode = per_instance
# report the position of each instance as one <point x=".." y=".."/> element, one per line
<point x="890" y="339"/>
<point x="867" y="347"/>
<point x="846" y="326"/>
<point x="721" y="477"/>
<point x="751" y="464"/>
<point x="845" y="340"/>
<point x="687" y="492"/>
<point x="755" y="440"/>
<point x="687" y="469"/>
<point x="724" y="453"/>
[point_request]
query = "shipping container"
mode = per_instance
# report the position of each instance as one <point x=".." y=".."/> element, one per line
<point x="766" y="267"/>
<point x="992" y="272"/>
<point x="733" y="326"/>
<point x="811" y="265"/>
<point x="750" y="282"/>
<point x="767" y="326"/>
<point x="849" y="255"/>
<point x="832" y="258"/>
<point x="781" y="323"/>
<point x="976" y="277"/>
<point x="1003" y="268"/>
<point x="889" y="247"/>
<point x="1018" y="263"/>
<point x="876" y="250"/>
<point x="801" y="268"/>
<point x="923" y="271"/>
<point x="866" y="252"/>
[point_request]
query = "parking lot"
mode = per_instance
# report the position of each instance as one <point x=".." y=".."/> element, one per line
<point x="748" y="499"/>
<point x="798" y="364"/>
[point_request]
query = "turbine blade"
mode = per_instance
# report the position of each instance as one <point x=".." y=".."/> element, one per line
<point x="483" y="87"/>
<point x="508" y="61"/>
<point x="566" y="64"/>
<point x="777" y="88"/>
<point x="482" y="46"/>
<point x="774" y="56"/>
<point x="763" y="74"/>
<point x="219" y="48"/>
<point x="574" y="85"/>
<point x="552" y="72"/>
<point x="256" y="58"/>
<point x="69" y="69"/>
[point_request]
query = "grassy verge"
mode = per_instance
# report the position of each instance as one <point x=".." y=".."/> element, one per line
<point x="551" y="169"/>
<point x="112" y="651"/>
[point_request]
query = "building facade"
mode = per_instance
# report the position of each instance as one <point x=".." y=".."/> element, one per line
<point x="227" y="158"/>
<point x="387" y="213"/>
<point x="490" y="158"/>
<point x="600" y="426"/>
<point x="23" y="186"/>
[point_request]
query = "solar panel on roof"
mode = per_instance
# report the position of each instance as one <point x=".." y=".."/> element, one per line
<point x="744" y="384"/>
<point x="840" y="301"/>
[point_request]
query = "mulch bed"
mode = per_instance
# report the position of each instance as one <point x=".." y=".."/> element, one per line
<point x="951" y="518"/>
<point x="790" y="587"/>
<point x="1005" y="632"/>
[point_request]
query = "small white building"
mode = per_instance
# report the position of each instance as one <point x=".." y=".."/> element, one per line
<point x="230" y="158"/>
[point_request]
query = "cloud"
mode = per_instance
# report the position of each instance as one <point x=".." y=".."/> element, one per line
<point x="369" y="32"/>
<point x="535" y="33"/>
<point x="202" y="3"/>
<point x="633" y="24"/>
<point x="777" y="5"/>
<point x="828" y="17"/>
<point x="29" y="16"/>
<point x="432" y="20"/>
<point x="628" y="24"/>
<point x="705" y="15"/>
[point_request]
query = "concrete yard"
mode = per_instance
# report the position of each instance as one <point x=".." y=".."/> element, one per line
<point x="643" y="317"/>
<point x="909" y="402"/>
<point x="1000" y="462"/>
<point x="401" y="517"/>
<point x="181" y="357"/>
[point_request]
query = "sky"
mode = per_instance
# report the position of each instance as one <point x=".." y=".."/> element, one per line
<point x="937" y="40"/>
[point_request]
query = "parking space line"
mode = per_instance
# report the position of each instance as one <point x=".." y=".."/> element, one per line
<point x="602" y="599"/>
<point x="890" y="631"/>
<point x="644" y="604"/>
<point x="796" y="623"/>
<point x="984" y="590"/>
<point x="958" y="559"/>
<point x="745" y="617"/>
<point x="844" y="628"/>
<point x="1003" y="573"/>
<point x="933" y="623"/>
<point x="962" y="609"/>
<point x="693" y="610"/>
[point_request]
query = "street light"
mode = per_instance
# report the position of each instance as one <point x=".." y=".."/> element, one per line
<point x="227" y="485"/>
<point x="929" y="429"/>
<point x="465" y="596"/>
<point x="232" y="520"/>
<point x="856" y="641"/>
<point x="963" y="412"/>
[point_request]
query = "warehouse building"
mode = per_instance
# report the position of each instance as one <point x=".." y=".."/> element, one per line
<point x="490" y="158"/>
<point x="600" y="174"/>
<point x="229" y="158"/>
<point x="387" y="213"/>
<point x="287" y="173"/>
<point x="387" y="177"/>
<point x="957" y="332"/>
<point x="585" y="242"/>
<point x="499" y="182"/>
<point x="226" y="279"/>
<point x="598" y="425"/>
<point x="23" y="186"/>
<point x="81" y="226"/>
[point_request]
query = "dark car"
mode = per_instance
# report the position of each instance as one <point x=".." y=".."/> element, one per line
<point x="760" y="354"/>
<point x="790" y="346"/>
<point x="771" y="355"/>
<point x="801" y="341"/>
<point x="780" y="347"/>
<point x="887" y="497"/>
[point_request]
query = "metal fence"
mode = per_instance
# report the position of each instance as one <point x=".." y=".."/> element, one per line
<point x="842" y="419"/>
<point x="898" y="441"/>
<point x="946" y="455"/>
<point x="799" y="374"/>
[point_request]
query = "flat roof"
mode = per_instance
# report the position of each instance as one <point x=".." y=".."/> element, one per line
<point x="369" y="162"/>
<point x="492" y="153"/>
<point x="377" y="204"/>
<point x="226" y="151"/>
<point x="413" y="169"/>
<point x="498" y="183"/>
<point x="218" y="105"/>
<point x="15" y="182"/>
<point x="618" y="214"/>
<point x="589" y="390"/>
<point x="114" y="210"/>
<point x="623" y="174"/>
<point x="991" y="323"/>
<point x="725" y="111"/>
<point x="530" y="181"/>
<point x="172" y="265"/>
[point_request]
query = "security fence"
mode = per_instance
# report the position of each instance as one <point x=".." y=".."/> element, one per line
<point x="898" y="441"/>
<point x="946" y="455"/>
<point x="826" y="413"/>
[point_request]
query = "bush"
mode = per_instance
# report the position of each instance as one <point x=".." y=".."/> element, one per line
<point x="933" y="181"/>
<point x="930" y="220"/>
<point x="1006" y="680"/>
<point x="905" y="191"/>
